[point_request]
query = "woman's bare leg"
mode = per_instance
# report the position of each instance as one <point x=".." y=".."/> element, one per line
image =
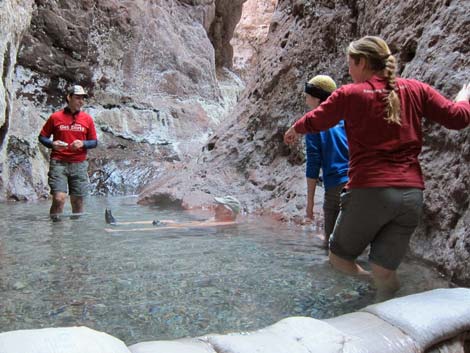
<point x="386" y="281"/>
<point x="347" y="267"/>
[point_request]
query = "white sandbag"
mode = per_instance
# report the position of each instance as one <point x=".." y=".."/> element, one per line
<point x="454" y="345"/>
<point x="429" y="317"/>
<point x="376" y="334"/>
<point x="182" y="346"/>
<point x="293" y="335"/>
<point x="60" y="340"/>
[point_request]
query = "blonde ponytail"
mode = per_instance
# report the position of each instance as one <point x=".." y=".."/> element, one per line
<point x="378" y="57"/>
<point x="392" y="103"/>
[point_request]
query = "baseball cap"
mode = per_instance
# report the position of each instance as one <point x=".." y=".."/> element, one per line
<point x="320" y="86"/>
<point x="229" y="201"/>
<point x="77" y="90"/>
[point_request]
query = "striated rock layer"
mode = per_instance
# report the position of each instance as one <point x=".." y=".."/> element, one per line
<point x="247" y="157"/>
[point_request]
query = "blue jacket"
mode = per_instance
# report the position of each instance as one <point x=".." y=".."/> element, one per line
<point x="328" y="150"/>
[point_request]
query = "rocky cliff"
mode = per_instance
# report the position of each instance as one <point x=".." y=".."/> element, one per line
<point x="149" y="66"/>
<point x="247" y="156"/>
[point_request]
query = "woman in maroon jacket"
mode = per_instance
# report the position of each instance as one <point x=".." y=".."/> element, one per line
<point x="383" y="114"/>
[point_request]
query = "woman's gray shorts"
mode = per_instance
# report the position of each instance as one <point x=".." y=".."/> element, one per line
<point x="385" y="218"/>
<point x="71" y="177"/>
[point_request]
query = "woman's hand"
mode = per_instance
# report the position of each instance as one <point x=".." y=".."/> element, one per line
<point x="464" y="94"/>
<point x="290" y="136"/>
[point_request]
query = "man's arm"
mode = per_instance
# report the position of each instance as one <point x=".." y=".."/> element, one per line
<point x="88" y="144"/>
<point x="45" y="141"/>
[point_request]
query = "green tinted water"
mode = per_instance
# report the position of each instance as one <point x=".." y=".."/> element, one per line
<point x="167" y="284"/>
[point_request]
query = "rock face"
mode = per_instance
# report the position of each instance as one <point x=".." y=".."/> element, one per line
<point x="246" y="156"/>
<point x="15" y="17"/>
<point x="149" y="67"/>
<point x="227" y="15"/>
<point x="249" y="36"/>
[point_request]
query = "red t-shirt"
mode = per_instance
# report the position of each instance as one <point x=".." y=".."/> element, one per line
<point x="383" y="154"/>
<point x="68" y="128"/>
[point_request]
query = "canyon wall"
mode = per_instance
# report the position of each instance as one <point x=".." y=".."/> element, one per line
<point x="149" y="66"/>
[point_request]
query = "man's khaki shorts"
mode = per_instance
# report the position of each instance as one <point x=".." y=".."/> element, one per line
<point x="385" y="218"/>
<point x="68" y="177"/>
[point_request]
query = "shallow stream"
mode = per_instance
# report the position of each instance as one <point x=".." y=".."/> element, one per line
<point x="157" y="284"/>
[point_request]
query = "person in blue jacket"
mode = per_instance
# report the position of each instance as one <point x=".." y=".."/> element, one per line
<point x="328" y="151"/>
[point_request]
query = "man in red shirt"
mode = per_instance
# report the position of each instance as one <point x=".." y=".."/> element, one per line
<point x="73" y="134"/>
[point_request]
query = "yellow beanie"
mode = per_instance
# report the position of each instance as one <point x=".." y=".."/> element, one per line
<point x="324" y="82"/>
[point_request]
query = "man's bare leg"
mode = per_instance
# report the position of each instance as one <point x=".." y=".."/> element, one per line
<point x="77" y="204"/>
<point x="57" y="207"/>
<point x="348" y="267"/>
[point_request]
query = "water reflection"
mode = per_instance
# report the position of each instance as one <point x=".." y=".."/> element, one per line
<point x="164" y="285"/>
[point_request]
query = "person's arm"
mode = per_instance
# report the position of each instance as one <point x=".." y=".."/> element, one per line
<point x="311" y="186"/>
<point x="313" y="165"/>
<point x="45" y="141"/>
<point x="452" y="115"/>
<point x="92" y="139"/>
<point x="326" y="115"/>
<point x="88" y="144"/>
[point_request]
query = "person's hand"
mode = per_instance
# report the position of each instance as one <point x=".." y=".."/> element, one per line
<point x="308" y="217"/>
<point x="464" y="94"/>
<point x="59" y="145"/>
<point x="307" y="220"/>
<point x="290" y="136"/>
<point x="76" y="145"/>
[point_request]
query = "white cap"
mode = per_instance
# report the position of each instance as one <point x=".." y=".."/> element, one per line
<point x="77" y="90"/>
<point x="229" y="201"/>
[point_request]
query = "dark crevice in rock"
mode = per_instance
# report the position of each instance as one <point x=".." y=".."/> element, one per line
<point x="6" y="68"/>
<point x="352" y="4"/>
<point x="210" y="146"/>
<point x="111" y="106"/>
<point x="407" y="53"/>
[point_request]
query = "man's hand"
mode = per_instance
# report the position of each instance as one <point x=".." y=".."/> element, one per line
<point x="59" y="145"/>
<point x="290" y="136"/>
<point x="76" y="145"/>
<point x="464" y="94"/>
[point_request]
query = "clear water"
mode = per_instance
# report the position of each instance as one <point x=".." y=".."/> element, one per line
<point x="141" y="286"/>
